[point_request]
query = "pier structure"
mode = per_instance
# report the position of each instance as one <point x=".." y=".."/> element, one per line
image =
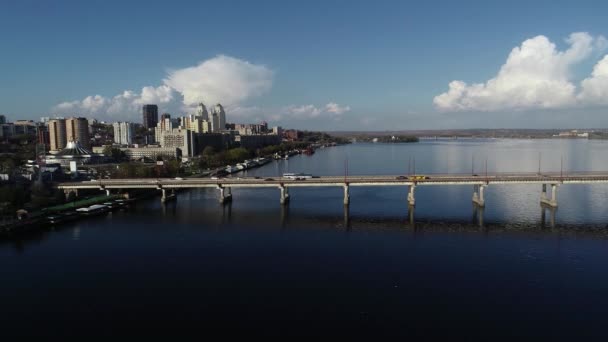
<point x="225" y="193"/>
<point x="478" y="198"/>
<point x="552" y="201"/>
<point x="224" y="185"/>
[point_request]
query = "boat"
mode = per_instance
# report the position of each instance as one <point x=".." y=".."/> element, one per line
<point x="241" y="166"/>
<point x="231" y="169"/>
<point x="95" y="209"/>
<point x="309" y="150"/>
<point x="262" y="161"/>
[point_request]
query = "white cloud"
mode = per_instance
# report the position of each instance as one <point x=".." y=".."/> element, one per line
<point x="335" y="108"/>
<point x="311" y="111"/>
<point x="125" y="106"/>
<point x="535" y="75"/>
<point x="594" y="89"/>
<point x="303" y="111"/>
<point x="221" y="79"/>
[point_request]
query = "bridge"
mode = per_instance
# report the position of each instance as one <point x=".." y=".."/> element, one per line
<point x="224" y="185"/>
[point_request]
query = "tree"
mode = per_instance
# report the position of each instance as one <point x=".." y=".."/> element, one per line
<point x="114" y="153"/>
<point x="236" y="155"/>
<point x="208" y="151"/>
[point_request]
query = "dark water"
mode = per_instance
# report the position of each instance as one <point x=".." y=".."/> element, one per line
<point x="313" y="268"/>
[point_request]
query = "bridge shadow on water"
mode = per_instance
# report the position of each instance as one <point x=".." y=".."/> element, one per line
<point x="229" y="216"/>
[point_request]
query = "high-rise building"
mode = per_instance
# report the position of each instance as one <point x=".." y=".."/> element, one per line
<point x="150" y="115"/>
<point x="201" y="111"/>
<point x="57" y="134"/>
<point x="43" y="136"/>
<point x="196" y="124"/>
<point x="165" y="116"/>
<point x="215" y="122"/>
<point x="219" y="110"/>
<point x="77" y="129"/>
<point x="2" y="119"/>
<point x="178" y="138"/>
<point x="123" y="133"/>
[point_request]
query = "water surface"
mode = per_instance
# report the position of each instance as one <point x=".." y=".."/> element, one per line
<point x="313" y="268"/>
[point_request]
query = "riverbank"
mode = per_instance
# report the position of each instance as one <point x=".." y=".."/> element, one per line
<point x="72" y="211"/>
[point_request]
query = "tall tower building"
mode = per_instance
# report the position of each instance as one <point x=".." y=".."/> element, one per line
<point x="77" y="129"/>
<point x="123" y="133"/>
<point x="57" y="134"/>
<point x="150" y="115"/>
<point x="215" y="122"/>
<point x="3" y="119"/>
<point x="201" y="111"/>
<point x="219" y="110"/>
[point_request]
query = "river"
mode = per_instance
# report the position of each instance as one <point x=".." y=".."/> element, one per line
<point x="315" y="268"/>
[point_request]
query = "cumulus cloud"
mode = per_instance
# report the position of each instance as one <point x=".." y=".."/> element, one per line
<point x="221" y="79"/>
<point x="124" y="106"/>
<point x="594" y="89"/>
<point x="335" y="108"/>
<point x="311" y="111"/>
<point x="535" y="75"/>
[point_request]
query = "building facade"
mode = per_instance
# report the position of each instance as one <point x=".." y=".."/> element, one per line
<point x="57" y="134"/>
<point x="150" y="115"/>
<point x="221" y="114"/>
<point x="178" y="138"/>
<point x="201" y="111"/>
<point x="152" y="153"/>
<point x="77" y="129"/>
<point x="124" y="132"/>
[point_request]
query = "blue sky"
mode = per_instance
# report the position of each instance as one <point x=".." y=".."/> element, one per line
<point x="308" y="64"/>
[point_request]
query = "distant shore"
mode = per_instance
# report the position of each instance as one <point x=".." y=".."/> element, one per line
<point x="503" y="133"/>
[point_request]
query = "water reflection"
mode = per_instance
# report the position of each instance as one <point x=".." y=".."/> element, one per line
<point x="544" y="208"/>
<point x="478" y="215"/>
<point x="347" y="217"/>
<point x="284" y="215"/>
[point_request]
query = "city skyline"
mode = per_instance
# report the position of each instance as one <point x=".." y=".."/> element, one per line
<point x="319" y="66"/>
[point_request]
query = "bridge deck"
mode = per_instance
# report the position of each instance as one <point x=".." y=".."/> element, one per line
<point x="359" y="180"/>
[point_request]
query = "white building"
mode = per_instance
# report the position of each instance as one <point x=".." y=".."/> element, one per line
<point x="124" y="133"/>
<point x="178" y="138"/>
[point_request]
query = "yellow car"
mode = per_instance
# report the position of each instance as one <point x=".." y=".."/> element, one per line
<point x="416" y="178"/>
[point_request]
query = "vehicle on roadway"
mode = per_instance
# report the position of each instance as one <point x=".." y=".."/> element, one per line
<point x="401" y="177"/>
<point x="418" y="177"/>
<point x="269" y="179"/>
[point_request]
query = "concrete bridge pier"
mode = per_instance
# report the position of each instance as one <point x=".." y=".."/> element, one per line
<point x="164" y="196"/>
<point x="552" y="202"/>
<point x="411" y="200"/>
<point x="103" y="188"/>
<point x="346" y="195"/>
<point x="284" y="194"/>
<point x="225" y="194"/>
<point x="478" y="197"/>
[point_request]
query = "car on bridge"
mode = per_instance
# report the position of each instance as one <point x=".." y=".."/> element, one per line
<point x="419" y="177"/>
<point x="401" y="177"/>
<point x="269" y="179"/>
